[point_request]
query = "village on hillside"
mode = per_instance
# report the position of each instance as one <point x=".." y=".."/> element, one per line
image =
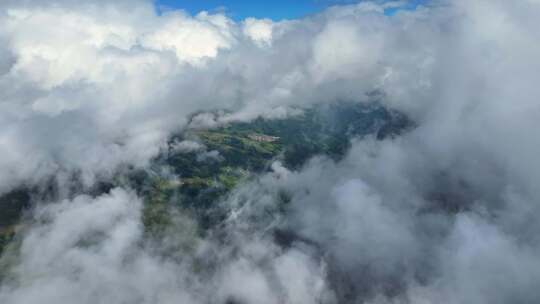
<point x="263" y="138"/>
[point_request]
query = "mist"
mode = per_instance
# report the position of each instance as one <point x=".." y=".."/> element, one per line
<point x="443" y="213"/>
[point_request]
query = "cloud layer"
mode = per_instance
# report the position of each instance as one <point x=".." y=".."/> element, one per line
<point x="90" y="86"/>
<point x="444" y="214"/>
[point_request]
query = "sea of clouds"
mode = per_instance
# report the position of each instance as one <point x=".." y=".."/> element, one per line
<point x="446" y="213"/>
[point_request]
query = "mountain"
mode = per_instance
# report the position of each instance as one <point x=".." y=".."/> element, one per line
<point x="201" y="166"/>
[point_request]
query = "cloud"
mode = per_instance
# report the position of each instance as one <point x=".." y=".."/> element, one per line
<point x="191" y="39"/>
<point x="94" y="83"/>
<point x="445" y="213"/>
<point x="259" y="30"/>
<point x="90" y="250"/>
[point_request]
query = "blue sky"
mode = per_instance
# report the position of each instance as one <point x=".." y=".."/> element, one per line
<point x="275" y="9"/>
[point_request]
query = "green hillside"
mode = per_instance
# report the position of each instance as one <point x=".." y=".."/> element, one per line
<point x="191" y="182"/>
